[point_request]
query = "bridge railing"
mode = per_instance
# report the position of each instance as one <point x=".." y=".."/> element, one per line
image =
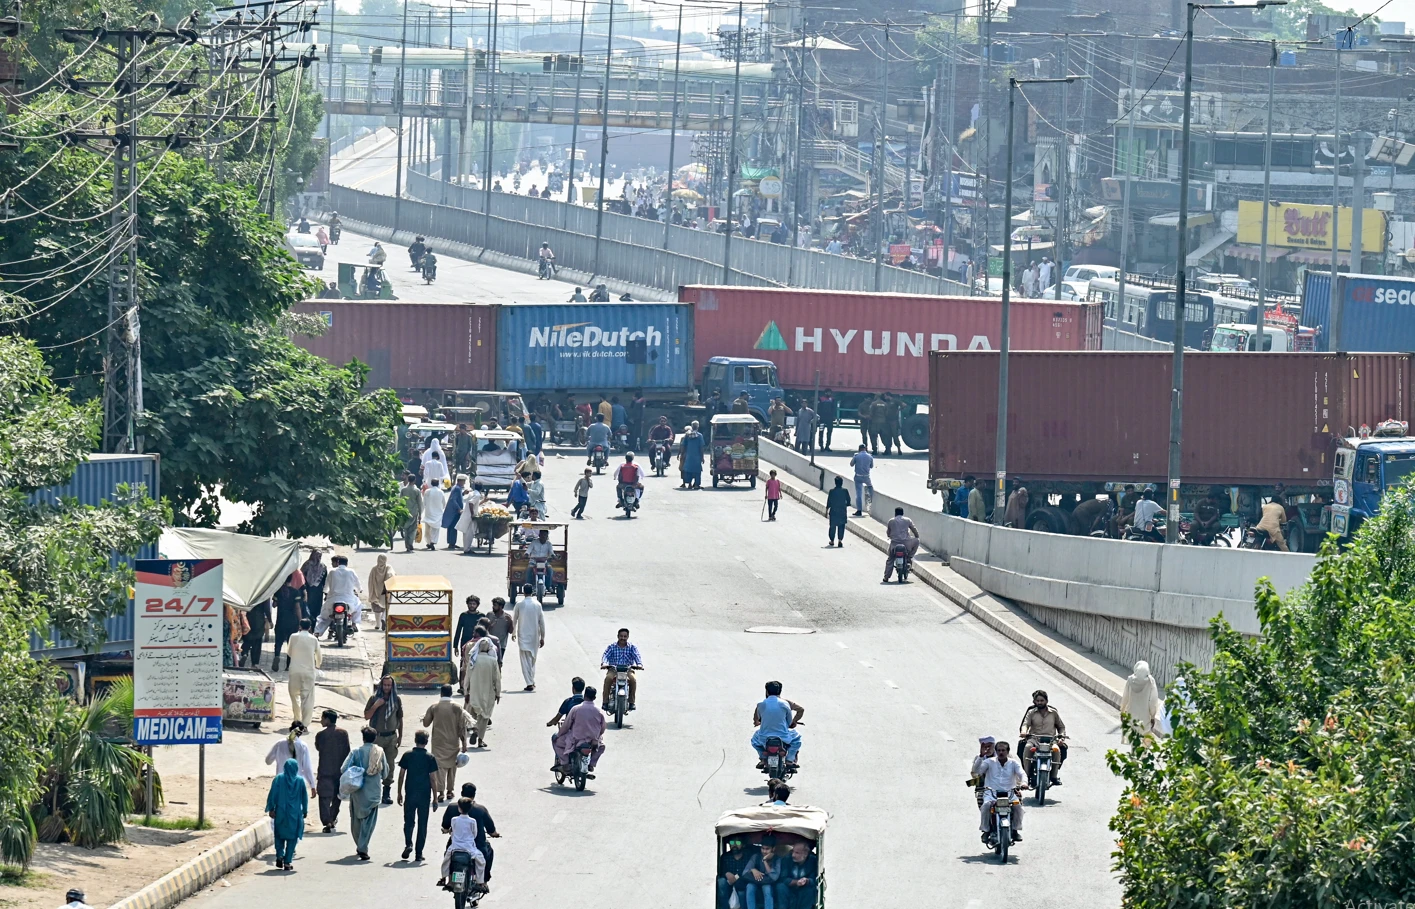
<point x="754" y="262"/>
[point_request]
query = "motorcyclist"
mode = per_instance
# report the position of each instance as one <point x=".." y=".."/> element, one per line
<point x="304" y="225"/>
<point x="661" y="434"/>
<point x="496" y="186"/>
<point x="336" y="227"/>
<point x="900" y="530"/>
<point x="600" y="295"/>
<point x="1146" y="510"/>
<point x="776" y="717"/>
<point x="547" y="260"/>
<point x="1001" y="774"/>
<point x="1042" y="719"/>
<point x="378" y="255"/>
<point x="598" y="434"/>
<point x="577" y="297"/>
<point x="541" y="550"/>
<point x="416" y="250"/>
<point x="1273" y="521"/>
<point x="1206" y="522"/>
<point x="629" y="474"/>
<point x="75" y="899"/>
<point x="429" y="263"/>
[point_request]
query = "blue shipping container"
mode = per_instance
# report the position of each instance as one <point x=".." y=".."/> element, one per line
<point x="592" y="347"/>
<point x="94" y="482"/>
<point x="1377" y="312"/>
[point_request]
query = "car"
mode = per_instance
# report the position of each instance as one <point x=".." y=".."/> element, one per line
<point x="305" y="249"/>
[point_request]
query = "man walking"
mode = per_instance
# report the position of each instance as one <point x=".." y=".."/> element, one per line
<point x="499" y="625"/>
<point x="828" y="410"/>
<point x="805" y="429"/>
<point x="434" y="503"/>
<point x="288" y="610"/>
<point x="528" y="619"/>
<point x="384" y="714"/>
<point x="314" y="573"/>
<point x="417" y="776"/>
<point x="837" y="503"/>
<point x="977" y="506"/>
<point x="332" y="746"/>
<point x="447" y="721"/>
<point x="413" y="501"/>
<point x="582" y="494"/>
<point x="305" y="659"/>
<point x="862" y="463"/>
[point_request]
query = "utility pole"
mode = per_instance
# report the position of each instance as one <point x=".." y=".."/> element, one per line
<point x="1063" y="164"/>
<point x="796" y="170"/>
<point x="603" y="145"/>
<point x="732" y="147"/>
<point x="443" y="99"/>
<point x="947" y="134"/>
<point x="133" y="98"/>
<point x="881" y="120"/>
<point x="672" y="133"/>
<point x="1128" y="158"/>
<point x="1258" y="317"/>
<point x="1336" y="150"/>
<point x="491" y="39"/>
<point x="398" y="104"/>
<point x="1358" y="206"/>
<point x="575" y="129"/>
<point x="985" y="106"/>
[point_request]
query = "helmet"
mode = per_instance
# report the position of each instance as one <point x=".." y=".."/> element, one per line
<point x="74" y="896"/>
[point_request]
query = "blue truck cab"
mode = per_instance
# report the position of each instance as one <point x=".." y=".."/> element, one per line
<point x="1364" y="468"/>
<point x="733" y="375"/>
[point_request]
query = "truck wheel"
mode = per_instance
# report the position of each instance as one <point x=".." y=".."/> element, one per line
<point x="915" y="432"/>
<point x="1047" y="519"/>
<point x="1296" y="537"/>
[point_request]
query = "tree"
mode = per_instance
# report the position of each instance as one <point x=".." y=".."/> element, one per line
<point x="55" y="568"/>
<point x="1287" y="782"/>
<point x="233" y="406"/>
<point x="1290" y="21"/>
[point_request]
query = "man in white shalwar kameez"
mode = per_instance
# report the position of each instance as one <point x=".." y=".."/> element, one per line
<point x="434" y="503"/>
<point x="528" y="620"/>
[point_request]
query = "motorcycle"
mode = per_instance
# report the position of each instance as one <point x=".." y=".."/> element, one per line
<point x="334" y="231"/>
<point x="629" y="500"/>
<point x="999" y="836"/>
<point x="1039" y="761"/>
<point x="465" y="891"/>
<point x="1187" y="534"/>
<point x="899" y="554"/>
<point x="341" y="624"/>
<point x="658" y="458"/>
<point x="577" y="771"/>
<point x="600" y="458"/>
<point x="775" y="766"/>
<point x="621" y="694"/>
<point x="429" y="270"/>
<point x="540" y="577"/>
<point x="1253" y="538"/>
<point x="1153" y="534"/>
<point x="621" y="439"/>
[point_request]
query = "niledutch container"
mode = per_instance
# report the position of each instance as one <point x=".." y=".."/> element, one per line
<point x="409" y="346"/>
<point x="851" y="341"/>
<point x="595" y="347"/>
<point x="1377" y="312"/>
<point x="94" y="482"/>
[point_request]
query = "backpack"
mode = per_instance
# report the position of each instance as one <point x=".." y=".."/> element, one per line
<point x="628" y="473"/>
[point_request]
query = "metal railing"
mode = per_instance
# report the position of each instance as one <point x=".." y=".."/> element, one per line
<point x="633" y="248"/>
<point x="853" y="162"/>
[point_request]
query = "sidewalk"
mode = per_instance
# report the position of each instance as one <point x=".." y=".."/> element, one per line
<point x="1099" y="676"/>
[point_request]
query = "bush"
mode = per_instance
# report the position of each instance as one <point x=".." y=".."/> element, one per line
<point x="1288" y="780"/>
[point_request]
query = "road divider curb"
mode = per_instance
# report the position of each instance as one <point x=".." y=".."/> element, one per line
<point x="999" y="615"/>
<point x="210" y="866"/>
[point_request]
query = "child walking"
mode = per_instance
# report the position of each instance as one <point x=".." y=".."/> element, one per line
<point x="773" y="496"/>
<point x="582" y="491"/>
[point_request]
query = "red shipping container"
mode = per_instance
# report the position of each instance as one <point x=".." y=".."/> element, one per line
<point x="1092" y="417"/>
<point x="867" y="342"/>
<point x="409" y="346"/>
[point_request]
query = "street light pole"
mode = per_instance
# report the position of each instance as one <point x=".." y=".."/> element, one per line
<point x="672" y="133"/>
<point x="575" y="128"/>
<point x="1176" y="391"/>
<point x="603" y="144"/>
<point x="999" y="507"/>
<point x="398" y="100"/>
<point x="732" y="147"/>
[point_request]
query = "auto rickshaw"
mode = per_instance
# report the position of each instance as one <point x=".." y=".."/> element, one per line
<point x="734" y="448"/>
<point x="495" y="454"/>
<point x="372" y="285"/>
<point x="518" y="562"/>
<point x="789" y="825"/>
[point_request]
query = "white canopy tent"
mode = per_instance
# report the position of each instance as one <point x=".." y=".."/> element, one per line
<point x="253" y="569"/>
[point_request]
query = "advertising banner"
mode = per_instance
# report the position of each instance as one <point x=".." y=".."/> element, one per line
<point x="177" y="647"/>
<point x="1294" y="225"/>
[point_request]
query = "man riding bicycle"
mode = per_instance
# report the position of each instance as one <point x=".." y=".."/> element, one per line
<point x="547" y="261"/>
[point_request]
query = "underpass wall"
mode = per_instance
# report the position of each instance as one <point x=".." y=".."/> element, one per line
<point x="1125" y="601"/>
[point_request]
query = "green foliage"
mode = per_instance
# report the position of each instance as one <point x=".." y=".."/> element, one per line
<point x="1288" y="780"/>
<point x="231" y="402"/>
<point x="1290" y="21"/>
<point x="91" y="777"/>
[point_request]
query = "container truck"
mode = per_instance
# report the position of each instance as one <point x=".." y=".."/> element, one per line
<point x="861" y="344"/>
<point x="1082" y="425"/>
<point x="1366" y="312"/>
<point x="96" y="481"/>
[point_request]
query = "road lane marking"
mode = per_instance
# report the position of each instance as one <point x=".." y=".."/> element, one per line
<point x="945" y="735"/>
<point x="842" y="645"/>
<point x="866" y="665"/>
<point x="538" y="854"/>
<point x="559" y="817"/>
<point x="921" y="710"/>
<point x="741" y="558"/>
<point x="797" y="613"/>
<point x="757" y="576"/>
<point x="889" y="684"/>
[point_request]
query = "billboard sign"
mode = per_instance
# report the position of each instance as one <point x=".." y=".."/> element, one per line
<point x="1295" y="225"/>
<point x="177" y="647"/>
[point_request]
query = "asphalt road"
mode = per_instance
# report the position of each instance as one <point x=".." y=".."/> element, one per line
<point x="896" y="681"/>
